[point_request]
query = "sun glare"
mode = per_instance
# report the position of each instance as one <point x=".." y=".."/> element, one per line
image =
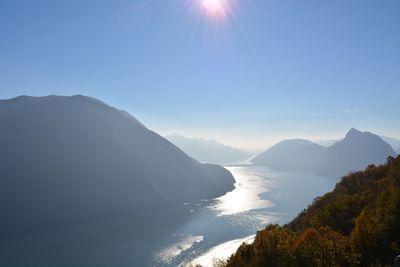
<point x="215" y="8"/>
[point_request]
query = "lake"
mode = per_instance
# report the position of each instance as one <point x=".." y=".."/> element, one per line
<point x="193" y="233"/>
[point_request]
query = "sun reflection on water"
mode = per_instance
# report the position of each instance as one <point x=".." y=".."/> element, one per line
<point x="246" y="195"/>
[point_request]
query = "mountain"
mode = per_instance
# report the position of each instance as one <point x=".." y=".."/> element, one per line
<point x="354" y="152"/>
<point x="357" y="224"/>
<point x="327" y="143"/>
<point x="292" y="155"/>
<point x="66" y="160"/>
<point x="209" y="151"/>
<point x="395" y="143"/>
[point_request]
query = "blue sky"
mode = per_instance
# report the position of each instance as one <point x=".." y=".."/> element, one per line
<point x="272" y="69"/>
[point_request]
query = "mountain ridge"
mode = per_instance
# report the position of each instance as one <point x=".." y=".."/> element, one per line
<point x="395" y="143"/>
<point x="354" y="152"/>
<point x="66" y="160"/>
<point x="209" y="150"/>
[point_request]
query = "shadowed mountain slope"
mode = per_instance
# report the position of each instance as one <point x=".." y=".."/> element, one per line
<point x="65" y="160"/>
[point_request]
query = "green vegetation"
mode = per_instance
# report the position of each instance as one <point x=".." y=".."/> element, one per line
<point x="357" y="224"/>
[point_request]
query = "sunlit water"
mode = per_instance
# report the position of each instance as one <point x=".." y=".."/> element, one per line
<point x="194" y="233"/>
<point x="261" y="197"/>
<point x="220" y="252"/>
<point x="246" y="196"/>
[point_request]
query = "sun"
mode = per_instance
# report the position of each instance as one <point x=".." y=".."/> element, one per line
<point x="215" y="8"/>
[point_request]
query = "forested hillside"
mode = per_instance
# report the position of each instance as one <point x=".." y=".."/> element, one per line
<point x="357" y="224"/>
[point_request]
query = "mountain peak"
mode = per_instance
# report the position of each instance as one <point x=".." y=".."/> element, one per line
<point x="353" y="131"/>
<point x="359" y="136"/>
<point x="86" y="99"/>
<point x="296" y="141"/>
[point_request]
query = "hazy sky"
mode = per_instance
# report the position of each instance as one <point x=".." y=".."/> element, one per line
<point x="267" y="70"/>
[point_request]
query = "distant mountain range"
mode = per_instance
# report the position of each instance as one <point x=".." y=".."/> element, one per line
<point x="208" y="150"/>
<point x="66" y="160"/>
<point x="354" y="152"/>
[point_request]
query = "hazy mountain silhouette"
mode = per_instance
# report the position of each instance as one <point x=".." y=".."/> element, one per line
<point x="292" y="155"/>
<point x="395" y="143"/>
<point x="208" y="150"/>
<point x="355" y="152"/>
<point x="65" y="160"/>
<point x="327" y="143"/>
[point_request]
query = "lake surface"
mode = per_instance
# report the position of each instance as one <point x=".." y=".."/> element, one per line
<point x="193" y="233"/>
<point x="261" y="197"/>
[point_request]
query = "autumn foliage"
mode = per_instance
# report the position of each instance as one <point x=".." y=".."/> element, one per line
<point x="357" y="224"/>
